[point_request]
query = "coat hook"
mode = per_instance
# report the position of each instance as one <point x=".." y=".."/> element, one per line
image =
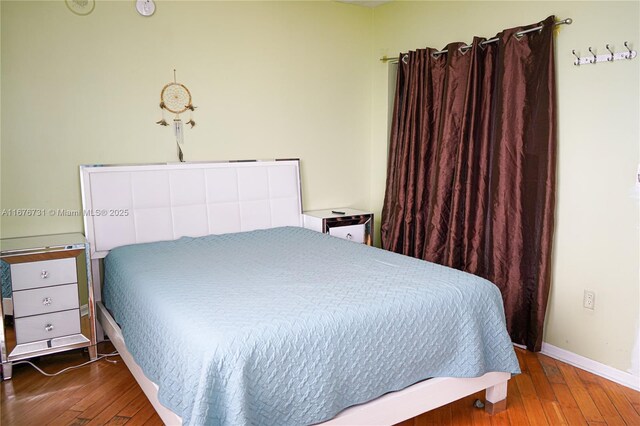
<point x="630" y="51"/>
<point x="610" y="58"/>
<point x="577" y="62"/>
<point x="595" y="58"/>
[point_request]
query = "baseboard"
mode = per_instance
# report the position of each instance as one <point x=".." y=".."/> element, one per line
<point x="595" y="367"/>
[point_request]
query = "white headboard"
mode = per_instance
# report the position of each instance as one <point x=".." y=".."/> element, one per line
<point x="156" y="202"/>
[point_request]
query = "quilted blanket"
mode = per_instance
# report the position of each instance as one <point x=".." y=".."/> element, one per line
<point x="5" y="277"/>
<point x="288" y="326"/>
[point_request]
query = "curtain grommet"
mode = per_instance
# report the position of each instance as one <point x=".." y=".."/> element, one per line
<point x="464" y="49"/>
<point x="521" y="33"/>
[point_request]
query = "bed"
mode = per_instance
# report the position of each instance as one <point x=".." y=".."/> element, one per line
<point x="228" y="312"/>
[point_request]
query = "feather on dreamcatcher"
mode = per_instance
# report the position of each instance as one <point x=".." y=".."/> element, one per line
<point x="176" y="98"/>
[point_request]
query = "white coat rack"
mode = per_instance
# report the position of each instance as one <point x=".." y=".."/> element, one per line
<point x="608" y="57"/>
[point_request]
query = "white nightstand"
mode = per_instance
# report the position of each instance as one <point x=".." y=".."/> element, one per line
<point x="349" y="224"/>
<point x="47" y="297"/>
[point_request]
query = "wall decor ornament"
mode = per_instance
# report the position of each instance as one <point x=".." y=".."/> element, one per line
<point x="176" y="98"/>
<point x="80" y="7"/>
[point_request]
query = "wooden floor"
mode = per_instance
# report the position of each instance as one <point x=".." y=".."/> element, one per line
<point x="548" y="392"/>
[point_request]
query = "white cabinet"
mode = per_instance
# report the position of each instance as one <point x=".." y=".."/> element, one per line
<point x="47" y="297"/>
<point x="346" y="223"/>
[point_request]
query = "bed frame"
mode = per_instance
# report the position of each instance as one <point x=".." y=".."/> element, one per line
<point x="156" y="202"/>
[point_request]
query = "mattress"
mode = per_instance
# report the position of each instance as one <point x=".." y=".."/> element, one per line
<point x="288" y="326"/>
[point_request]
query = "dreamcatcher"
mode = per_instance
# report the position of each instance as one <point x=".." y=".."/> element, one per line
<point x="176" y="98"/>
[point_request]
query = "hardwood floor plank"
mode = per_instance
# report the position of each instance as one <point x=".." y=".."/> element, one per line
<point x="428" y="419"/>
<point x="548" y="392"/>
<point x="439" y="416"/>
<point x="142" y="416"/>
<point x="540" y="383"/>
<point x="57" y="393"/>
<point x="620" y="402"/>
<point x="582" y="397"/>
<point x="554" y="414"/>
<point x="101" y="404"/>
<point x="117" y="421"/>
<point x="420" y="420"/>
<point x="600" y="398"/>
<point x="64" y="418"/>
<point x="134" y="406"/>
<point x="535" y="412"/>
<point x="105" y="388"/>
<point x="460" y="412"/>
<point x="632" y="396"/>
<point x="478" y="415"/>
<point x="564" y="396"/>
<point x="551" y="370"/>
<point x="515" y="407"/>
<point x="609" y="412"/>
<point x="532" y="405"/>
<point x="586" y="377"/>
<point x="500" y="419"/>
<point x="523" y="364"/>
<point x="568" y="404"/>
<point x="525" y="385"/>
<point x="114" y="408"/>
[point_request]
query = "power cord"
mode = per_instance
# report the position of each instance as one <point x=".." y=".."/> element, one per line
<point x="100" y="356"/>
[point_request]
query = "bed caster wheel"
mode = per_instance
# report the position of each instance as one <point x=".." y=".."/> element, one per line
<point x="478" y="404"/>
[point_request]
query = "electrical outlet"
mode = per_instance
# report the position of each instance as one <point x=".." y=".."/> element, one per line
<point x="589" y="300"/>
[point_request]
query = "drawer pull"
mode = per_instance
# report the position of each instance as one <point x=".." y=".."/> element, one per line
<point x="47" y="301"/>
<point x="48" y="327"/>
<point x="44" y="274"/>
<point x="349" y="237"/>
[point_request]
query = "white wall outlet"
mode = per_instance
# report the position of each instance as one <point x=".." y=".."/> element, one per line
<point x="589" y="300"/>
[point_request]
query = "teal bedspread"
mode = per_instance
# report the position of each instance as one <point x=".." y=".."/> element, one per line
<point x="288" y="326"/>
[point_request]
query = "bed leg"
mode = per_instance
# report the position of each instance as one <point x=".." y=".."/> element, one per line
<point x="496" y="398"/>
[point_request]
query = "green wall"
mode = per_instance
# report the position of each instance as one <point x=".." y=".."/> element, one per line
<point x="270" y="79"/>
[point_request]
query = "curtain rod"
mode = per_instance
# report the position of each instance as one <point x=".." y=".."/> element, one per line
<point x="567" y="21"/>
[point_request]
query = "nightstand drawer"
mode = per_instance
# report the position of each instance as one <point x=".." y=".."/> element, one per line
<point x="43" y="274"/>
<point x="45" y="300"/>
<point x="349" y="224"/>
<point x="48" y="326"/>
<point x="353" y="233"/>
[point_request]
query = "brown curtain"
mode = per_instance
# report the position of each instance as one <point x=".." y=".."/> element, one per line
<point x="471" y="172"/>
